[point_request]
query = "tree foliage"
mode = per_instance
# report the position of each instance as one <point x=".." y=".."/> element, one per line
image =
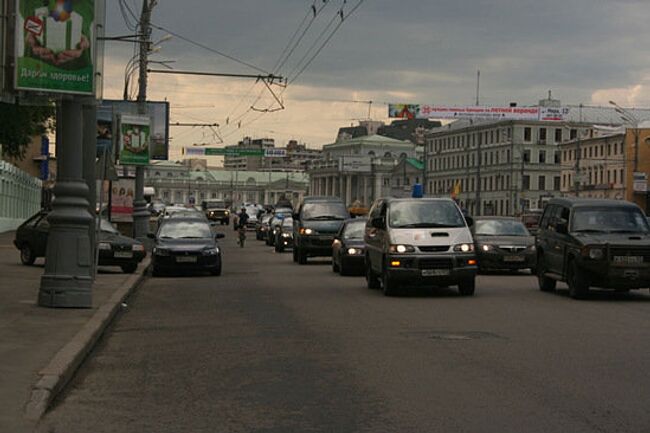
<point x="20" y="123"/>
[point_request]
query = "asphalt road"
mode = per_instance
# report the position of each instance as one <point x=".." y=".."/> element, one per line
<point x="271" y="346"/>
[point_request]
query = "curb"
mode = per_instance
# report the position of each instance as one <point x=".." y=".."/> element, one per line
<point x="62" y="368"/>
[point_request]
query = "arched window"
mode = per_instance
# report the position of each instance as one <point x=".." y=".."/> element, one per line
<point x="387" y="155"/>
<point x="371" y="153"/>
<point x="170" y="174"/>
<point x="157" y="174"/>
<point x="402" y="156"/>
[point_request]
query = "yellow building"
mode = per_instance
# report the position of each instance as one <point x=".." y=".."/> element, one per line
<point x="637" y="166"/>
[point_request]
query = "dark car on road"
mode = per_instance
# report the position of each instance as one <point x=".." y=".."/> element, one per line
<point x="274" y="224"/>
<point x="216" y="210"/>
<point x="348" y="248"/>
<point x="186" y="244"/>
<point x="284" y="235"/>
<point x="503" y="243"/>
<point x="262" y="227"/>
<point x="316" y="222"/>
<point x="593" y="243"/>
<point x="114" y="249"/>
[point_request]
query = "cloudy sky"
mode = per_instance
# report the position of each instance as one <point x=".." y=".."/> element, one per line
<point x="585" y="51"/>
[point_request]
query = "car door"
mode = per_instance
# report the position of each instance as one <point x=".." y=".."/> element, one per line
<point x="372" y="237"/>
<point x="40" y="235"/>
<point x="554" y="253"/>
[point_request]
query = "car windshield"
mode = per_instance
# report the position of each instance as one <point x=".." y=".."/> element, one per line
<point x="425" y="214"/>
<point x="609" y="220"/>
<point x="324" y="211"/>
<point x="185" y="230"/>
<point x="354" y="230"/>
<point x="499" y="227"/>
<point x="214" y="205"/>
<point x="287" y="222"/>
<point x="266" y="219"/>
<point x="107" y="227"/>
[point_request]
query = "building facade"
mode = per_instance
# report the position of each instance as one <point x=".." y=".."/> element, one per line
<point x="407" y="172"/>
<point x="295" y="156"/>
<point x="498" y="168"/>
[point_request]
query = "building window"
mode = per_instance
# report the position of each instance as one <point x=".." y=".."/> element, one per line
<point x="528" y="134"/>
<point x="542" y="135"/>
<point x="558" y="135"/>
<point x="573" y="134"/>
<point x="526" y="156"/>
<point x="541" y="183"/>
<point x="525" y="182"/>
<point x="556" y="183"/>
<point x="542" y="157"/>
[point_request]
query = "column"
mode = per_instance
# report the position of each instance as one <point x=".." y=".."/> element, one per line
<point x="67" y="279"/>
<point x="348" y="189"/>
<point x="378" y="185"/>
<point x="366" y="202"/>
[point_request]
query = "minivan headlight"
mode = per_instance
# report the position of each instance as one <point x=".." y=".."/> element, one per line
<point x="464" y="248"/>
<point x="401" y="249"/>
<point x="486" y="248"/>
<point x="306" y="231"/>
<point x="594" y="252"/>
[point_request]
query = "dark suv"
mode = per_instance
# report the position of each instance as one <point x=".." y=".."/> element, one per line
<point x="589" y="242"/>
<point x="216" y="210"/>
<point x="315" y="225"/>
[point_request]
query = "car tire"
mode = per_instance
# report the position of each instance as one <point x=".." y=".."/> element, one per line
<point x="216" y="271"/>
<point x="578" y="285"/>
<point x="467" y="287"/>
<point x="387" y="285"/>
<point x="129" y="268"/>
<point x="295" y="254"/>
<point x="27" y="256"/>
<point x="371" y="279"/>
<point x="302" y="257"/>
<point x="335" y="266"/>
<point x="545" y="283"/>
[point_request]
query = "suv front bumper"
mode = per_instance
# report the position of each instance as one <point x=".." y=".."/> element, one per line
<point x="424" y="270"/>
<point x="315" y="245"/>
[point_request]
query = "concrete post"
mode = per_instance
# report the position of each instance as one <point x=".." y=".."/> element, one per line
<point x="348" y="190"/>
<point x="366" y="202"/>
<point x="89" y="157"/>
<point x="67" y="280"/>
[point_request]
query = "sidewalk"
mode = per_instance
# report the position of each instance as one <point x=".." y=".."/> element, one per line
<point x="32" y="338"/>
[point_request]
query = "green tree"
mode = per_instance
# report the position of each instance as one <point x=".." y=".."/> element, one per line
<point x="20" y="123"/>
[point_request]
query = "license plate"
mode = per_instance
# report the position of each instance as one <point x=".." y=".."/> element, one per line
<point x="187" y="259"/>
<point x="628" y="260"/>
<point x="513" y="259"/>
<point x="122" y="254"/>
<point x="435" y="272"/>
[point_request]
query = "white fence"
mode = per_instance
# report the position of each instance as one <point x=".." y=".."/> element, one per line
<point x="20" y="196"/>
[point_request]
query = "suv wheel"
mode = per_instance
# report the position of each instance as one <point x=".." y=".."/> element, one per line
<point x="371" y="278"/>
<point x="578" y="285"/>
<point x="545" y="283"/>
<point x="295" y="254"/>
<point x="302" y="257"/>
<point x="388" y="286"/>
<point x="467" y="287"/>
<point x="27" y="256"/>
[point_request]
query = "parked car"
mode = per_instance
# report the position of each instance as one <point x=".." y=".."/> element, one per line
<point x="216" y="210"/>
<point x="315" y="224"/>
<point x="503" y="243"/>
<point x="114" y="249"/>
<point x="262" y="227"/>
<point x="419" y="242"/>
<point x="186" y="244"/>
<point x="593" y="243"/>
<point x="284" y="236"/>
<point x="348" y="248"/>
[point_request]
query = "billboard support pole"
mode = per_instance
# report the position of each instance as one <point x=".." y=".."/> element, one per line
<point x="67" y="280"/>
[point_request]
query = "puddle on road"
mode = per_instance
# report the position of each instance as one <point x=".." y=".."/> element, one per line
<point x="453" y="336"/>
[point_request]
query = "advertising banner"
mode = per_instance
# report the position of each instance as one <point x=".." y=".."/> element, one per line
<point x="275" y="153"/>
<point x="222" y="151"/>
<point x="158" y="112"/>
<point x="355" y="164"/>
<point x="416" y="111"/>
<point x="55" y="46"/>
<point x="134" y="134"/>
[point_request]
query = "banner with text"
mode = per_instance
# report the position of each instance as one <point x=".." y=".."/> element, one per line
<point x="55" y="46"/>
<point x="134" y="135"/>
<point x="221" y="151"/>
<point x="417" y="111"/>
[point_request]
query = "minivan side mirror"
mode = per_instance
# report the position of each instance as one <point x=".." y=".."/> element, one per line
<point x="469" y="220"/>
<point x="378" y="222"/>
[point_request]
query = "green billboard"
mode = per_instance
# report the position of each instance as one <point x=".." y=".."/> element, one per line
<point x="134" y="136"/>
<point x="55" y="46"/>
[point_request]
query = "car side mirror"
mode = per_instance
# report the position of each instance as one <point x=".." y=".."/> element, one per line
<point x="151" y="235"/>
<point x="470" y="221"/>
<point x="378" y="222"/>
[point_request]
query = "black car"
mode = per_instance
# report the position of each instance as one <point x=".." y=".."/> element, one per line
<point x="262" y="227"/>
<point x="274" y="226"/>
<point x="503" y="243"/>
<point x="186" y="244"/>
<point x="316" y="222"/>
<point x="114" y="249"/>
<point x="284" y="235"/>
<point x="348" y="248"/>
<point x="593" y="243"/>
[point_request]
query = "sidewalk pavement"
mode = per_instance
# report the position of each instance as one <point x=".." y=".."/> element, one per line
<point x="41" y="348"/>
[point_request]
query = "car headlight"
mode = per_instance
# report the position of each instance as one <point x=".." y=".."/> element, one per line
<point x="464" y="248"/>
<point x="355" y="251"/>
<point x="401" y="249"/>
<point x="137" y="247"/>
<point x="211" y="251"/>
<point x="306" y="231"/>
<point x="161" y="251"/>
<point x="486" y="248"/>
<point x="594" y="253"/>
<point x="104" y="246"/>
<point x="286" y="235"/>
<point x="226" y="213"/>
<point x="531" y="248"/>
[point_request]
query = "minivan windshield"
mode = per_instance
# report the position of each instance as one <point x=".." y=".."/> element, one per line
<point x="500" y="227"/>
<point x="425" y="214"/>
<point x="324" y="211"/>
<point x="609" y="220"/>
<point x="354" y="230"/>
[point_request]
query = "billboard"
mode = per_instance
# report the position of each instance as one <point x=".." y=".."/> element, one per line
<point x="355" y="164"/>
<point x="109" y="111"/>
<point x="55" y="46"/>
<point x="133" y="138"/>
<point x="222" y="151"/>
<point x="273" y="152"/>
<point x="417" y="111"/>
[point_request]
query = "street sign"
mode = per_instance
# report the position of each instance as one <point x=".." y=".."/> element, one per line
<point x="640" y="182"/>
<point x="222" y="151"/>
<point x="275" y="153"/>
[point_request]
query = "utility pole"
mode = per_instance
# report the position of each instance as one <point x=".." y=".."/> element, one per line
<point x="578" y="156"/>
<point x="478" y="175"/>
<point x="478" y="86"/>
<point x="140" y="213"/>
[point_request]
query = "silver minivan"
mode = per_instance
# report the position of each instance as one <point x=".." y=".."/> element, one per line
<point x="419" y="242"/>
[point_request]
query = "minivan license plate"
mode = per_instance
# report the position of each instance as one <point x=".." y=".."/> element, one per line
<point x="512" y="259"/>
<point x="186" y="259"/>
<point x="434" y="272"/>
<point x="628" y="260"/>
<point x="122" y="254"/>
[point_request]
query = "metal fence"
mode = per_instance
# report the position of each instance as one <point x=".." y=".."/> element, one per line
<point x="20" y="196"/>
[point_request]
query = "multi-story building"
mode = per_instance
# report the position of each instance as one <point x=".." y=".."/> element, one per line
<point x="407" y="172"/>
<point x="498" y="168"/>
<point x="193" y="181"/>
<point x="248" y="163"/>
<point x="595" y="166"/>
<point x="293" y="157"/>
<point x="359" y="169"/>
<point x="637" y="170"/>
